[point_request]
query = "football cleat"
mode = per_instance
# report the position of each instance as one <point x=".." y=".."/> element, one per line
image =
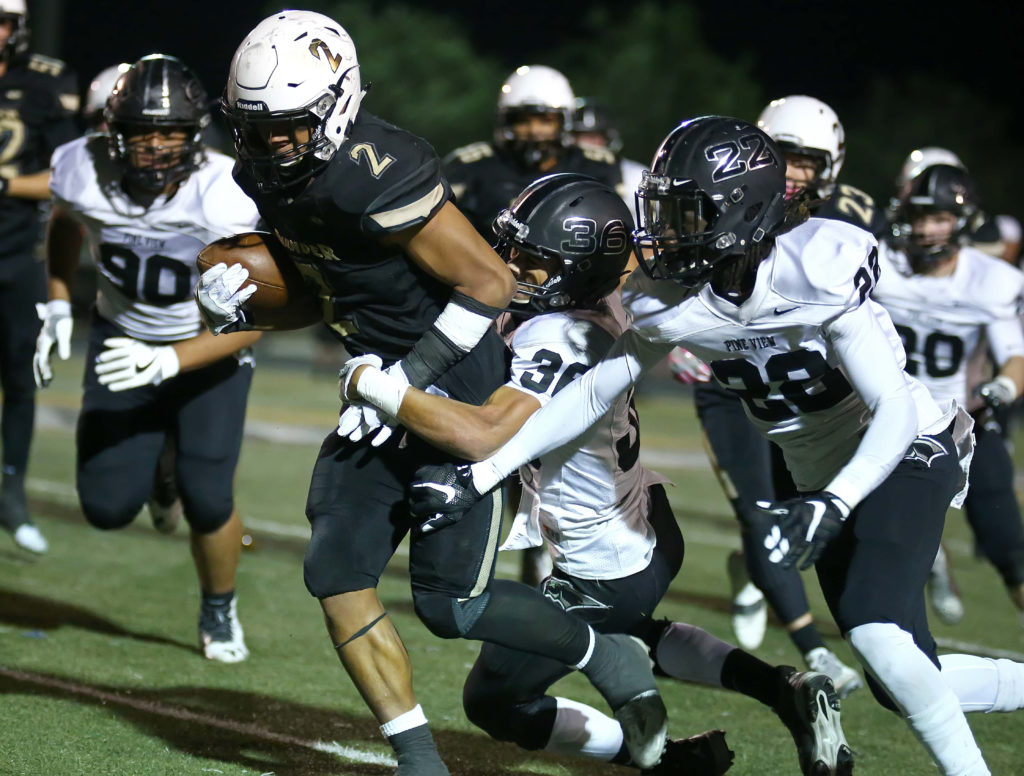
<point x="942" y="590"/>
<point x="845" y="679"/>
<point x="29" y="537"/>
<point x="220" y="634"/>
<point x="704" y="755"/>
<point x="809" y="707"/>
<point x="749" y="609"/>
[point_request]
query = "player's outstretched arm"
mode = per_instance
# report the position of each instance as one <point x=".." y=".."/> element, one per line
<point x="574" y="409"/>
<point x="466" y="430"/>
<point x="866" y="355"/>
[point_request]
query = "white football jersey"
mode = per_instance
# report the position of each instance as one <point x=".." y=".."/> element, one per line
<point x="589" y="499"/>
<point x="776" y="349"/>
<point x="941" y="319"/>
<point x="146" y="255"/>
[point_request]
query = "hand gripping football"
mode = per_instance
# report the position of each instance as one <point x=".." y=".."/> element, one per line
<point x="282" y="299"/>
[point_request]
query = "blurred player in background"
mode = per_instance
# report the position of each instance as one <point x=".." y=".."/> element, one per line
<point x="149" y="196"/>
<point x="945" y="296"/>
<point x="38" y="104"/>
<point x="592" y="125"/>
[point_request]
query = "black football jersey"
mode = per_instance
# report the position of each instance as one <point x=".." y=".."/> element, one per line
<point x="485" y="182"/>
<point x="38" y="108"/>
<point x="381" y="180"/>
<point x="853" y="206"/>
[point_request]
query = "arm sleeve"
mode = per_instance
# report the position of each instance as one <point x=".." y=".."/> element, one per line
<point x="574" y="409"/>
<point x="866" y="355"/>
<point x="1006" y="338"/>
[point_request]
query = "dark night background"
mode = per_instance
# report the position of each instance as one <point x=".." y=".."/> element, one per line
<point x="900" y="75"/>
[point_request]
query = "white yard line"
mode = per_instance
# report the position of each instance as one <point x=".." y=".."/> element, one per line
<point x="178" y="712"/>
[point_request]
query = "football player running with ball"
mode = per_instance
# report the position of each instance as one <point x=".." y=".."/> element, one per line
<point x="404" y="280"/>
<point x="605" y="518"/>
<point x="149" y="196"/>
<point x="778" y="306"/>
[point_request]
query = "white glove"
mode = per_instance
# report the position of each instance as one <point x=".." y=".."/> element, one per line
<point x="687" y="368"/>
<point x="358" y="421"/>
<point x="57" y="325"/>
<point x="128" y="363"/>
<point x="220" y="297"/>
<point x="998" y="392"/>
<point x="349" y="368"/>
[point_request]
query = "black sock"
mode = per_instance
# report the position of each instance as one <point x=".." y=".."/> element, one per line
<point x="807" y="638"/>
<point x="218" y="600"/>
<point x="417" y="752"/>
<point x="754" y="678"/>
<point x="13" y="502"/>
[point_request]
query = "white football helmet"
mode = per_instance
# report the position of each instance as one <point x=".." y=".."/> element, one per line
<point x="533" y="89"/>
<point x="296" y="73"/>
<point x="807" y="126"/>
<point x="17" y="44"/>
<point x="99" y="90"/>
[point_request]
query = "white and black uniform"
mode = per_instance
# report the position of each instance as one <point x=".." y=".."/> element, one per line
<point x="146" y="257"/>
<point x="146" y="254"/>
<point x="605" y="518"/>
<point x="941" y="321"/>
<point x="818" y="366"/>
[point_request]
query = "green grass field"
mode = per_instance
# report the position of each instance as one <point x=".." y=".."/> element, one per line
<point x="100" y="672"/>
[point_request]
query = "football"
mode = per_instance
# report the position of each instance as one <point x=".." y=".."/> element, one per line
<point x="282" y="300"/>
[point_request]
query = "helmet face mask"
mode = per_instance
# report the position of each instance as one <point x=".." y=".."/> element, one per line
<point x="293" y="92"/>
<point x="155" y="117"/>
<point x="716" y="191"/>
<point x="570" y="234"/>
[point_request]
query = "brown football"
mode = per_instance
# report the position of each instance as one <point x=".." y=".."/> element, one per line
<point x="282" y="300"/>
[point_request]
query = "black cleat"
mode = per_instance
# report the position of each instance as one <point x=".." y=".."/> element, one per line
<point x="703" y="755"/>
<point x="809" y="707"/>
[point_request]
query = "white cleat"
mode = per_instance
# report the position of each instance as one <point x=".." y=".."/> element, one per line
<point x="29" y="537"/>
<point x="749" y="609"/>
<point x="810" y="709"/>
<point x="221" y="637"/>
<point x="942" y="590"/>
<point x="844" y="678"/>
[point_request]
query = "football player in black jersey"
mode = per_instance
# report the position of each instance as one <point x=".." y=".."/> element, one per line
<point x="38" y="102"/>
<point x="812" y="141"/>
<point x="366" y="215"/>
<point x="532" y="137"/>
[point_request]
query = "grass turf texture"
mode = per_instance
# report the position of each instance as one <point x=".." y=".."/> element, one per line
<point x="100" y="673"/>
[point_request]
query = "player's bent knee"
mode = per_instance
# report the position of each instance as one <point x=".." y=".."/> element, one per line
<point x="446" y="616"/>
<point x="878" y="646"/>
<point x="504" y="719"/>
<point x="103" y="509"/>
<point x="206" y="509"/>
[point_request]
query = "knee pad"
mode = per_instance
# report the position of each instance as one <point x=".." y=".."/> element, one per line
<point x="104" y="510"/>
<point x="524" y="723"/>
<point x="446" y="616"/>
<point x="207" y="507"/>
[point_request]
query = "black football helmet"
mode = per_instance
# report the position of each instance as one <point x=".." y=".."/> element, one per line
<point x="157" y="93"/>
<point x="941" y="188"/>
<point x="581" y="227"/>
<point x="716" y="189"/>
<point x="591" y="118"/>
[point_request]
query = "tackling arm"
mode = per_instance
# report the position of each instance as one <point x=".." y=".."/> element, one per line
<point x="573" y="409"/>
<point x="867" y="359"/>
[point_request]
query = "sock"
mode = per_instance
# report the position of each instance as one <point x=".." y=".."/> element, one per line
<point x="747" y="675"/>
<point x="930" y="707"/>
<point x="982" y="684"/>
<point x="807" y="638"/>
<point x="690" y="654"/>
<point x="414" y="746"/>
<point x="582" y="730"/>
<point x="218" y="600"/>
<point x="13" y="502"/>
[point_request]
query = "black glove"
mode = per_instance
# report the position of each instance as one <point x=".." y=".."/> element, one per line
<point x="442" y="494"/>
<point x="803" y="526"/>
